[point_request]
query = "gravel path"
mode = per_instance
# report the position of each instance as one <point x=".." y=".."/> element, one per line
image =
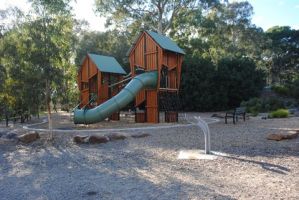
<point x="148" y="168"/>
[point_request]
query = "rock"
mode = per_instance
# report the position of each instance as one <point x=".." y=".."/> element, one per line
<point x="116" y="136"/>
<point x="29" y="137"/>
<point x="80" y="139"/>
<point x="140" y="135"/>
<point x="94" y="139"/>
<point x="291" y="135"/>
<point x="276" y="137"/>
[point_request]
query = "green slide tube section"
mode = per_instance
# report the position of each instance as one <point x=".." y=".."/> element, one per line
<point x="147" y="80"/>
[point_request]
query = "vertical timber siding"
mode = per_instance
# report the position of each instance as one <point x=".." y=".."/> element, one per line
<point x="147" y="54"/>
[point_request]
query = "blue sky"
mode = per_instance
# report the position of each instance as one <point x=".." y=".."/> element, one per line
<point x="267" y="13"/>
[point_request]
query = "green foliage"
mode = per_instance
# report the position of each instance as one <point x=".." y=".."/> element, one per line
<point x="151" y="14"/>
<point x="257" y="105"/>
<point x="284" y="53"/>
<point x="280" y="113"/>
<point x="294" y="89"/>
<point x="281" y="90"/>
<point x="209" y="87"/>
<point x="37" y="56"/>
<point x="111" y="43"/>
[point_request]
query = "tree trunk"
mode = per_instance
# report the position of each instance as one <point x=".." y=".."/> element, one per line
<point x="6" y="119"/>
<point x="160" y="19"/>
<point x="48" y="102"/>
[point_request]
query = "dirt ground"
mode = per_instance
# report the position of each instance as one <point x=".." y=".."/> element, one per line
<point x="147" y="168"/>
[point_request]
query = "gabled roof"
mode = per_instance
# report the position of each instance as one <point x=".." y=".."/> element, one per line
<point x="106" y="64"/>
<point x="165" y="42"/>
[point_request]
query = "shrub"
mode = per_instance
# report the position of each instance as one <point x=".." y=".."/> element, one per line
<point x="257" y="105"/>
<point x="207" y="86"/>
<point x="281" y="90"/>
<point x="280" y="113"/>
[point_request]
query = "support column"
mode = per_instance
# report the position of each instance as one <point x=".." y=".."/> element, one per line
<point x="152" y="111"/>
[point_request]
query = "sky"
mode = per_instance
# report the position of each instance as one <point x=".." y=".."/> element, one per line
<point x="82" y="9"/>
<point x="267" y="13"/>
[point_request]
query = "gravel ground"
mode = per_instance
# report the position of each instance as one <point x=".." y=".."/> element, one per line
<point x="148" y="168"/>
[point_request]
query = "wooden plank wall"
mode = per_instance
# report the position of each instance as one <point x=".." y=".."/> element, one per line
<point x="103" y="93"/>
<point x="87" y="71"/>
<point x="148" y="55"/>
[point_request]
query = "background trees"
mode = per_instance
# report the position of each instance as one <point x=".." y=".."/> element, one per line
<point x="157" y="15"/>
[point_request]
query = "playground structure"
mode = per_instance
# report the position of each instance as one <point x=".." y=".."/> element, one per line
<point x="95" y="75"/>
<point x="155" y="63"/>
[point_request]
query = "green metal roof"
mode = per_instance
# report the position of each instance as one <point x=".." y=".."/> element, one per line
<point x="107" y="64"/>
<point x="165" y="42"/>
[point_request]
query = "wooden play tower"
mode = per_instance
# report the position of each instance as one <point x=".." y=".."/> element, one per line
<point x="95" y="75"/>
<point x="155" y="52"/>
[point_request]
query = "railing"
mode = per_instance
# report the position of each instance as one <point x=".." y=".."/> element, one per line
<point x="122" y="81"/>
<point x="205" y="128"/>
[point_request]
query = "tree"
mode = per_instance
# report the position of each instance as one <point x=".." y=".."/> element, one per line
<point x="283" y="54"/>
<point x="38" y="50"/>
<point x="50" y="32"/>
<point x="225" y="31"/>
<point x="157" y="15"/>
<point x="210" y="87"/>
<point x="110" y="43"/>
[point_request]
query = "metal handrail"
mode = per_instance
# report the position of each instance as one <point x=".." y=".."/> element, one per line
<point x="204" y="126"/>
<point x="114" y="84"/>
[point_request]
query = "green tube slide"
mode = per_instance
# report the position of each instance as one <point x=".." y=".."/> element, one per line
<point x="146" y="80"/>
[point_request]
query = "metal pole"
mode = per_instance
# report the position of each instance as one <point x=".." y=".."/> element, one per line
<point x="205" y="128"/>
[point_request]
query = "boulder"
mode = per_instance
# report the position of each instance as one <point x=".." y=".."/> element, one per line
<point x="80" y="139"/>
<point x="291" y="135"/>
<point x="94" y="139"/>
<point x="278" y="137"/>
<point x="29" y="137"/>
<point x="140" y="135"/>
<point x="116" y="136"/>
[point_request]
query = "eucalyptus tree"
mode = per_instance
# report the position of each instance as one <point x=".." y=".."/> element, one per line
<point x="51" y="26"/>
<point x="284" y="53"/>
<point x="157" y="15"/>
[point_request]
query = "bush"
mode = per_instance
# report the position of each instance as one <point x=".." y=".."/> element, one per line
<point x="207" y="86"/>
<point x="257" y="105"/>
<point x="281" y="90"/>
<point x="280" y="113"/>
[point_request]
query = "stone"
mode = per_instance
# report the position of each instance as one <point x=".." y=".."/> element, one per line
<point x="291" y="135"/>
<point x="116" y="136"/>
<point x="94" y="139"/>
<point x="29" y="137"/>
<point x="276" y="137"/>
<point x="140" y="135"/>
<point x="80" y="139"/>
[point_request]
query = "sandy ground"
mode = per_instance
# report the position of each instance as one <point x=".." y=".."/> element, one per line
<point x="148" y="168"/>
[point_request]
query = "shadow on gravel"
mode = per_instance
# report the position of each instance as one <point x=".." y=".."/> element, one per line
<point x="108" y="171"/>
<point x="267" y="166"/>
